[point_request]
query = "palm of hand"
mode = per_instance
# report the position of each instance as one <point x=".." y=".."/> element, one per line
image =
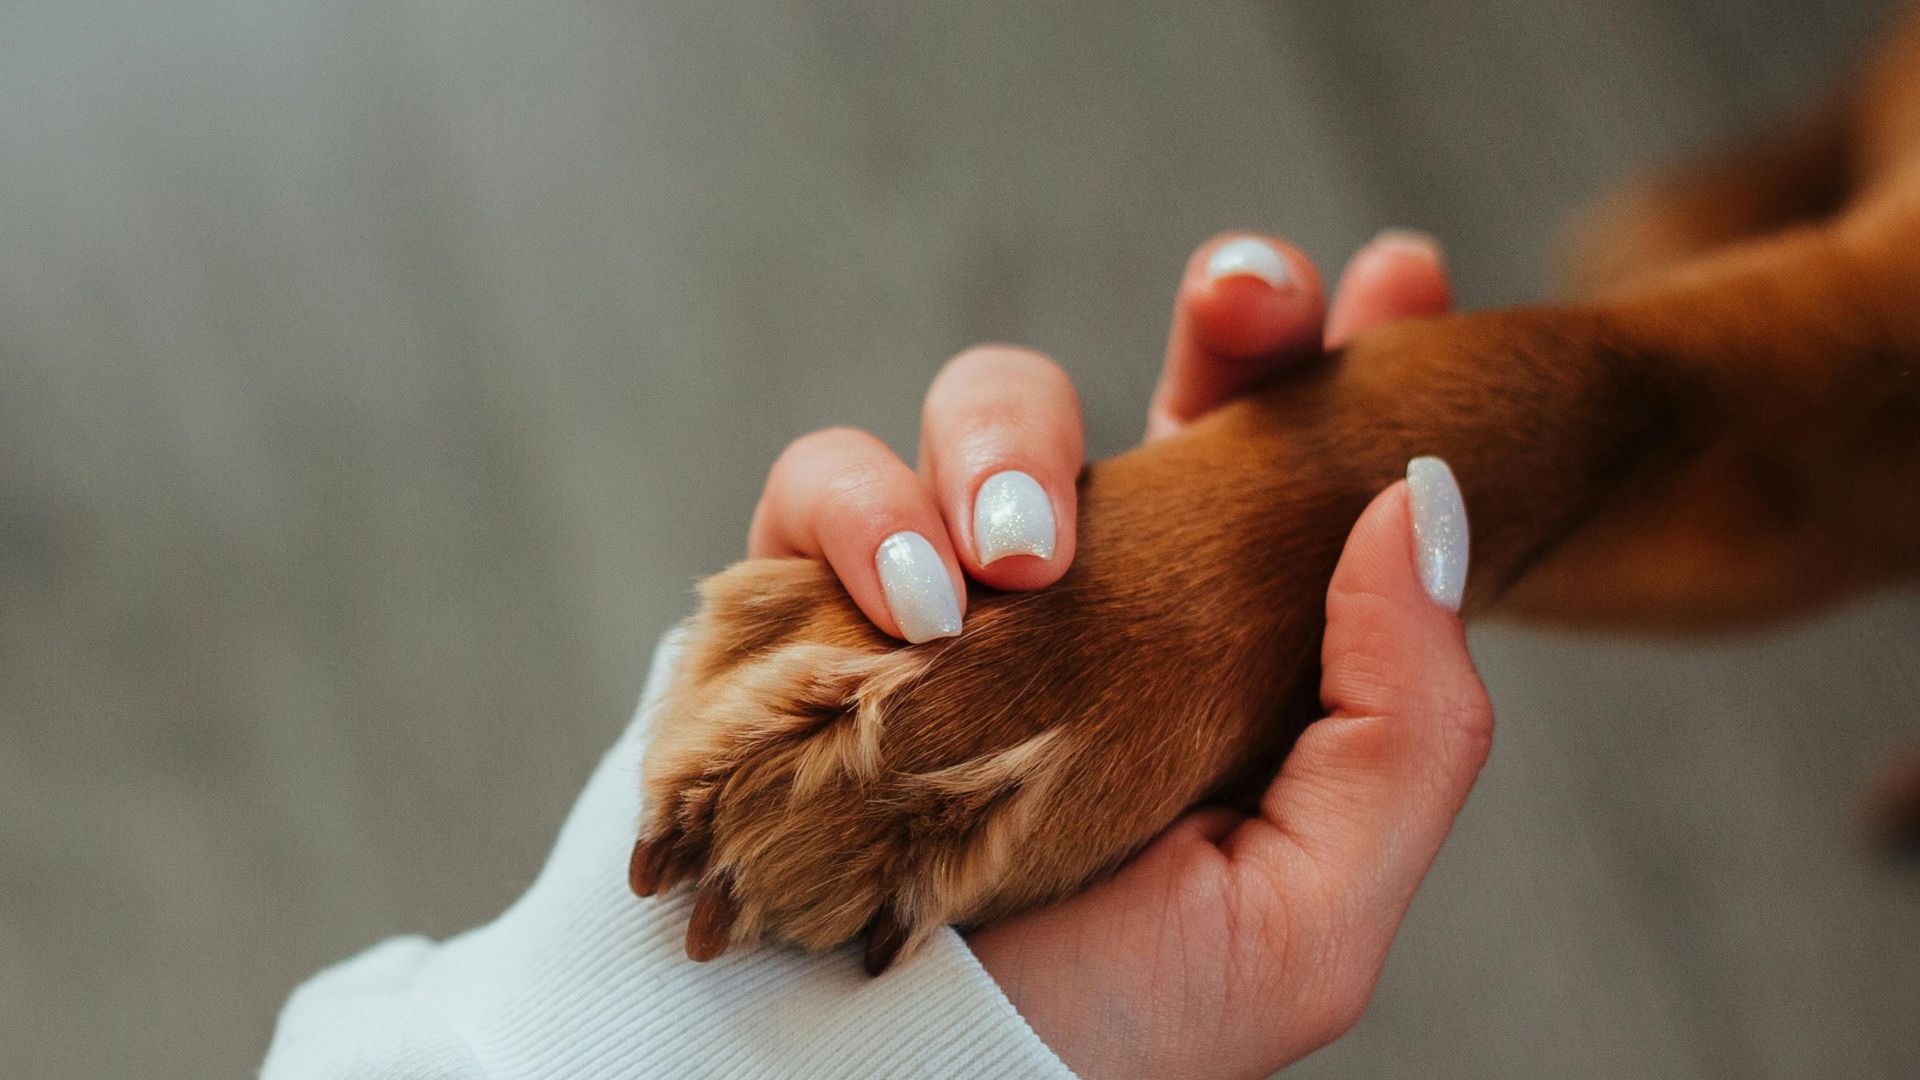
<point x="1235" y="945"/>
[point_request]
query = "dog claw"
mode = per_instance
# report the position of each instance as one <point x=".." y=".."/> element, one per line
<point x="649" y="865"/>
<point x="713" y="915"/>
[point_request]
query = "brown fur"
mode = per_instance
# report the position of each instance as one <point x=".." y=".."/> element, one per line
<point x="1729" y="431"/>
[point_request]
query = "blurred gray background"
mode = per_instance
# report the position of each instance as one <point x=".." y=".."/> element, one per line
<point x="376" y="378"/>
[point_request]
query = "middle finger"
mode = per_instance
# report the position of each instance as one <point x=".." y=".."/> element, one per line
<point x="1001" y="441"/>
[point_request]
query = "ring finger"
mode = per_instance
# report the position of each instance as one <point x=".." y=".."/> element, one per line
<point x="1001" y="442"/>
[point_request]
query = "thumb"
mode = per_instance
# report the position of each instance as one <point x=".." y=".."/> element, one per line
<point x="1370" y="792"/>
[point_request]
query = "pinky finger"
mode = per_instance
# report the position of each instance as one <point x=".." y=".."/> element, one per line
<point x="1398" y="275"/>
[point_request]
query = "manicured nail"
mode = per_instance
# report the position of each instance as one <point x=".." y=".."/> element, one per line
<point x="919" y="592"/>
<point x="1439" y="530"/>
<point x="1425" y="244"/>
<point x="1012" y="516"/>
<point x="1249" y="256"/>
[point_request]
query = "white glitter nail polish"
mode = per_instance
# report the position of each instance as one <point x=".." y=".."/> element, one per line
<point x="918" y="590"/>
<point x="1439" y="530"/>
<point x="1012" y="516"/>
<point x="1249" y="256"/>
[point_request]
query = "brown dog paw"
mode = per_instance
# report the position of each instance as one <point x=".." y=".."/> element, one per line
<point x="820" y="781"/>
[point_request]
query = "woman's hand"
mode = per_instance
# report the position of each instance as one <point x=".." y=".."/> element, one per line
<point x="1232" y="945"/>
<point x="1001" y="442"/>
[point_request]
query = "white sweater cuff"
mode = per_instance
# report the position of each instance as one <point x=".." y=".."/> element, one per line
<point x="579" y="979"/>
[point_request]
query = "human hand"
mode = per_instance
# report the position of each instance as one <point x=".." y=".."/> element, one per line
<point x="576" y="980"/>
<point x="1001" y="440"/>
<point x="1234" y="945"/>
<point x="1156" y="971"/>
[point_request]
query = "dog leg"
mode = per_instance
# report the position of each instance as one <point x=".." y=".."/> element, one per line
<point x="818" y="780"/>
<point x="1802" y="170"/>
<point x="1794" y="174"/>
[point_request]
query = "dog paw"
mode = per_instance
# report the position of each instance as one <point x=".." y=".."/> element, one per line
<point x="818" y="781"/>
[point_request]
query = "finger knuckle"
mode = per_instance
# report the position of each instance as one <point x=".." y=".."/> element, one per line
<point x="858" y="481"/>
<point x="1467" y="714"/>
<point x="1338" y="995"/>
<point x="993" y="425"/>
<point x="1343" y="1009"/>
<point x="809" y="451"/>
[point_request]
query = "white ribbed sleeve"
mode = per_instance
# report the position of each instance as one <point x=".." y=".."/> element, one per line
<point x="578" y="979"/>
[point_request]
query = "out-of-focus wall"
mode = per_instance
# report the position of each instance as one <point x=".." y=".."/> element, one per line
<point x="375" y="378"/>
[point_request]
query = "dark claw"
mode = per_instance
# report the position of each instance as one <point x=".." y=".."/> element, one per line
<point x="713" y="915"/>
<point x="649" y="865"/>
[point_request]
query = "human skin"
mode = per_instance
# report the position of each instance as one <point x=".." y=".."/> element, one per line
<point x="1719" y="431"/>
<point x="1154" y="972"/>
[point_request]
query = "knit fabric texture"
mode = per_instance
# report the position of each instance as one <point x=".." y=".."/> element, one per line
<point x="579" y="979"/>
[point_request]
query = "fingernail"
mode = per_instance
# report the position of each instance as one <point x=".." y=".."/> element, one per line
<point x="1249" y="256"/>
<point x="1425" y="244"/>
<point x="1012" y="516"/>
<point x="919" y="592"/>
<point x="1439" y="530"/>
